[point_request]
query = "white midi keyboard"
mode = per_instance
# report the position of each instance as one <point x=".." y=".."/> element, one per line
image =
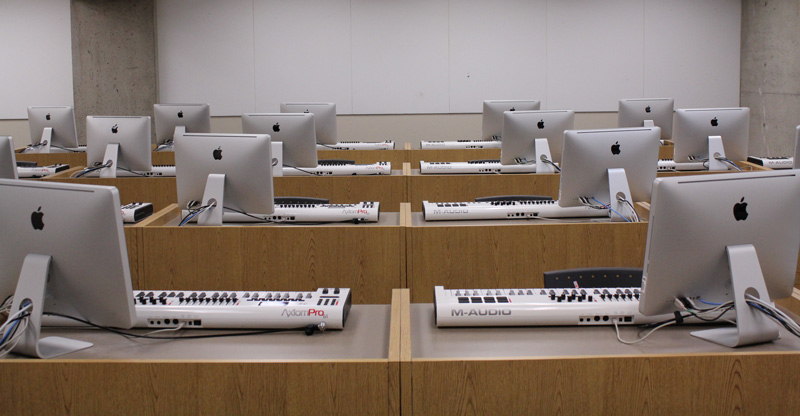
<point x="213" y="309"/>
<point x="459" y="144"/>
<point x="309" y="213"/>
<point x="476" y="166"/>
<point x="358" y="145"/>
<point x="40" y="171"/>
<point x="772" y="162"/>
<point x="539" y="307"/>
<point x="379" y="168"/>
<point x="505" y="210"/>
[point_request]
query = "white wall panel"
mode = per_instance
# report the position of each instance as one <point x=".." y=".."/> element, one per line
<point x="205" y="54"/>
<point x="692" y="52"/>
<point x="594" y="53"/>
<point x="36" y="54"/>
<point x="497" y="51"/>
<point x="302" y="53"/>
<point x="400" y="56"/>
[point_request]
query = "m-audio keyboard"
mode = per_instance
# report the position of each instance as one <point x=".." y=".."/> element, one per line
<point x="772" y="162"/>
<point x="459" y="144"/>
<point x="379" y="168"/>
<point x="539" y="307"/>
<point x="214" y="309"/>
<point x="505" y="210"/>
<point x="309" y="213"/>
<point x="475" y="166"/>
<point x="358" y="145"/>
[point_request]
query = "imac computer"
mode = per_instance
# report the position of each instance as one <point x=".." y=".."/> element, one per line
<point x="611" y="168"/>
<point x="118" y="143"/>
<point x="796" y="157"/>
<point x="535" y="137"/>
<point x="190" y="118"/>
<point x="217" y="172"/>
<point x="53" y="129"/>
<point x="647" y="112"/>
<point x="63" y="252"/>
<point x="324" y="119"/>
<point x="8" y="161"/>
<point x="716" y="135"/>
<point x="719" y="238"/>
<point x="492" y="119"/>
<point x="295" y="130"/>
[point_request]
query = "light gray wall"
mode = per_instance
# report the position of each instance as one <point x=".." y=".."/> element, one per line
<point x="770" y="74"/>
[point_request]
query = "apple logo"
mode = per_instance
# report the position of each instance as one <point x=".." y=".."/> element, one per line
<point x="714" y="122"/>
<point x="217" y="153"/>
<point x="180" y="114"/>
<point x="47" y="117"/>
<point x="740" y="210"/>
<point x="36" y="219"/>
<point x="306" y="111"/>
<point x="647" y="109"/>
<point x="615" y="148"/>
<point x="540" y="124"/>
<point x="513" y="109"/>
<point x="276" y="128"/>
<point x="114" y="129"/>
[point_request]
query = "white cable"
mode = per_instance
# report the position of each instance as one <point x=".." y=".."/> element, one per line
<point x="619" y="338"/>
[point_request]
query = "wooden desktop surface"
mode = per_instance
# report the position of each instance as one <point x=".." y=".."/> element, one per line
<point x="585" y="370"/>
<point x="368" y="258"/>
<point x="352" y="371"/>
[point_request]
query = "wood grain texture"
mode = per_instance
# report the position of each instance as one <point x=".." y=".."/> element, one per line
<point x="450" y="155"/>
<point x="452" y="188"/>
<point x="160" y="191"/>
<point x="370" y="260"/>
<point x="666" y="151"/>
<point x="76" y="387"/>
<point x="46" y="159"/>
<point x="486" y="256"/>
<point x="724" y="384"/>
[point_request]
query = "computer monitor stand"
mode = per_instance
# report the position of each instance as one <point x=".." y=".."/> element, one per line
<point x="648" y="123"/>
<point x="542" y="149"/>
<point x="213" y="193"/>
<point x="716" y="150"/>
<point x="752" y="327"/>
<point x="618" y="190"/>
<point x="110" y="157"/>
<point x="44" y="143"/>
<point x="31" y="288"/>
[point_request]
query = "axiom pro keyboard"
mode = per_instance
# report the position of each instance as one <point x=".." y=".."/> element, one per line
<point x="459" y="144"/>
<point x="379" y="168"/>
<point x="475" y="166"/>
<point x="539" y="307"/>
<point x="303" y="213"/>
<point x="496" y="210"/>
<point x="213" y="309"/>
<point x="358" y="145"/>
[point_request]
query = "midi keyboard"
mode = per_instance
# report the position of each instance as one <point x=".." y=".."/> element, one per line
<point x="40" y="171"/>
<point x="213" y="309"/>
<point x="540" y="307"/>
<point x="357" y="145"/>
<point x="477" y="166"/>
<point x="459" y="144"/>
<point x="309" y="213"/>
<point x="379" y="168"/>
<point x="506" y="210"/>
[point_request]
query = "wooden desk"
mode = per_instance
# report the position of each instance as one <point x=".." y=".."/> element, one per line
<point x="368" y="258"/>
<point x="354" y="371"/>
<point x="513" y="253"/>
<point x="467" y="187"/>
<point x="389" y="190"/>
<point x="72" y="159"/>
<point x="586" y="371"/>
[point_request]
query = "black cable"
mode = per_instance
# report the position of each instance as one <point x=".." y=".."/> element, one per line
<point x="308" y="329"/>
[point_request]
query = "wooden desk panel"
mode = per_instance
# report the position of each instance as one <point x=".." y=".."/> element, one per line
<point x="160" y="191"/>
<point x="368" y="258"/>
<point x="513" y="253"/>
<point x="336" y="372"/>
<point x="460" y="188"/>
<point x="72" y="159"/>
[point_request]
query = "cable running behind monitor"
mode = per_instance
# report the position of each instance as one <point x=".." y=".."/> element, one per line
<point x="724" y="129"/>
<point x="125" y="141"/>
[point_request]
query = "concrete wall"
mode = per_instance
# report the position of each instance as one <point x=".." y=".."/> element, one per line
<point x="770" y="74"/>
<point x="113" y="58"/>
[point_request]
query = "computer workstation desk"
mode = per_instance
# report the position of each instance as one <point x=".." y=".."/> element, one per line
<point x="352" y="371"/>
